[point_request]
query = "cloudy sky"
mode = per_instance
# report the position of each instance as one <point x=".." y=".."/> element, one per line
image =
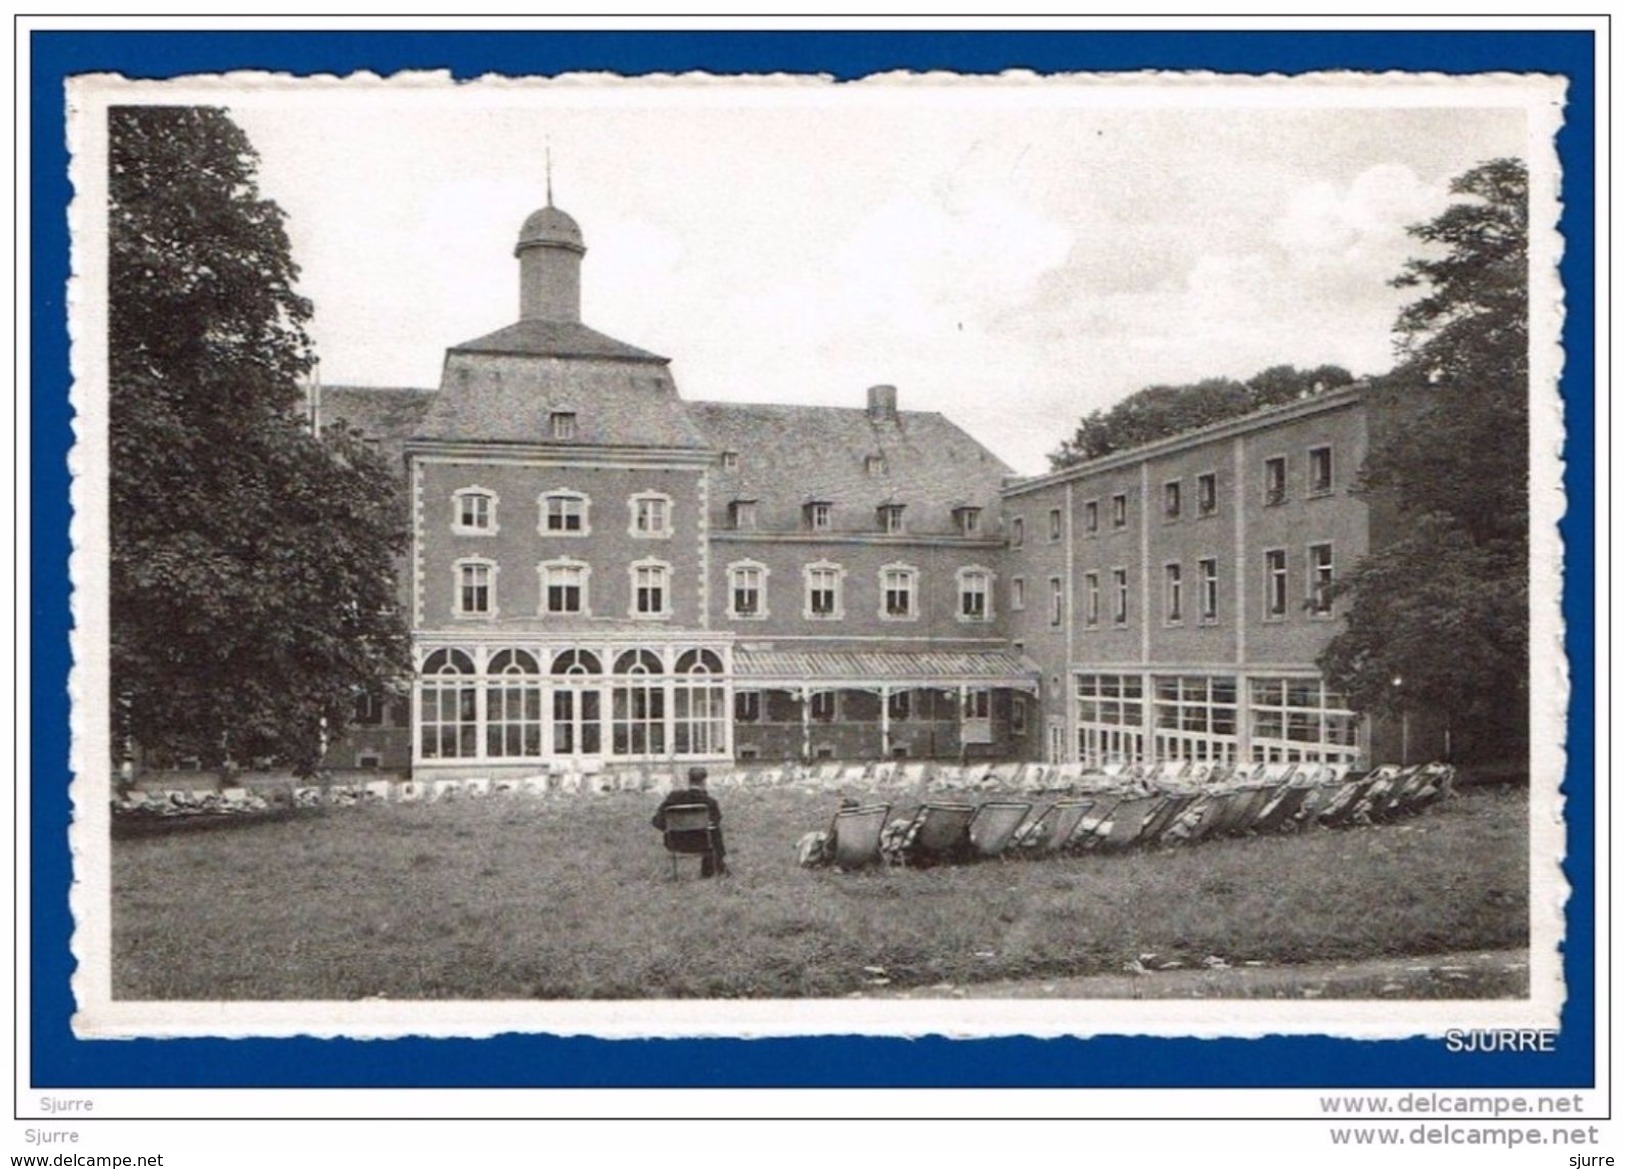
<point x="1013" y="256"/>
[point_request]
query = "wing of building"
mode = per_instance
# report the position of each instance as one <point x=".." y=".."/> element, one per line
<point x="603" y="572"/>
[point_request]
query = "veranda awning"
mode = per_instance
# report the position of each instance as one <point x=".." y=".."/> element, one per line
<point x="870" y="670"/>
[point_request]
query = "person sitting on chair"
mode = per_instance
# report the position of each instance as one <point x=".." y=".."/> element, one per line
<point x="712" y="865"/>
<point x="816" y="849"/>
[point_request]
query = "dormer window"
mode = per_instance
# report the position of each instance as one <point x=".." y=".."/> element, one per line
<point x="968" y="520"/>
<point x="874" y="465"/>
<point x="563" y="425"/>
<point x="742" y="514"/>
<point x="819" y="515"/>
<point x="891" y="517"/>
<point x="730" y="460"/>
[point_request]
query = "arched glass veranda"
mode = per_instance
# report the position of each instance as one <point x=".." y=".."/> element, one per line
<point x="578" y="703"/>
<point x="513" y="706"/>
<point x="639" y="705"/>
<point x="700" y="702"/>
<point x="448" y="723"/>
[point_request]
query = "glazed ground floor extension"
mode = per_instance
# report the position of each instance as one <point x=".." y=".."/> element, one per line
<point x="519" y="706"/>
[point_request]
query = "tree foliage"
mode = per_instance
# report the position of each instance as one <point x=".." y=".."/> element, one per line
<point x="1442" y="602"/>
<point x="252" y="563"/>
<point x="1160" y="411"/>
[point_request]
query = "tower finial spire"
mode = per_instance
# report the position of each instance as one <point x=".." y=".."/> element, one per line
<point x="550" y="173"/>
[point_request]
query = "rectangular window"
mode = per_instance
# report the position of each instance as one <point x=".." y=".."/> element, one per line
<point x="1018" y="593"/>
<point x="970" y="520"/>
<point x="1320" y="579"/>
<point x="1109" y="713"/>
<point x="897" y="705"/>
<point x="1194" y="717"/>
<point x="973" y="589"/>
<point x="1091" y="598"/>
<point x="1275" y="583"/>
<point x="1300" y="719"/>
<point x="819" y="516"/>
<point x="474" y="512"/>
<point x="747" y="592"/>
<point x="1275" y="481"/>
<point x="651" y="516"/>
<point x="823" y="706"/>
<point x="1173" y="588"/>
<point x="1207" y="493"/>
<point x="891" y="517"/>
<point x="474" y="589"/>
<point x="1091" y="516"/>
<point x="1209" y="570"/>
<point x="978" y="703"/>
<point x="1119" y="511"/>
<point x="565" y="588"/>
<point x="1120" y="596"/>
<point x="747" y="706"/>
<point x="1018" y="531"/>
<point x="563" y="425"/>
<point x="1055" y="600"/>
<point x="823" y="592"/>
<point x="1054" y="524"/>
<point x="1320" y="470"/>
<point x="649" y="590"/>
<point x="1170" y="500"/>
<point x="564" y="513"/>
<point x="897" y="592"/>
<point x="730" y="460"/>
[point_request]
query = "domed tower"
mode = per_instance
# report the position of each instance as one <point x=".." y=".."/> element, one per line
<point x="549" y="252"/>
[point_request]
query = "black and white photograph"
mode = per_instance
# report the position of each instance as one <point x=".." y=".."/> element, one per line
<point x="753" y="556"/>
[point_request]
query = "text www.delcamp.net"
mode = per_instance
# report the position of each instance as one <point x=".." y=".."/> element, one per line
<point x="90" y="1161"/>
<point x="1465" y="1134"/>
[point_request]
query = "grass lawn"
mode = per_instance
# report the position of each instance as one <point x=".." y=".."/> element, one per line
<point x="524" y="897"/>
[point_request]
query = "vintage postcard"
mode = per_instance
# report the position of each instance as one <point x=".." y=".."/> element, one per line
<point x="756" y="555"/>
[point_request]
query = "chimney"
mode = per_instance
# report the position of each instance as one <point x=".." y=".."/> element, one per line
<point x="882" y="403"/>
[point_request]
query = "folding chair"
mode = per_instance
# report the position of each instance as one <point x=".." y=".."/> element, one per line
<point x="1283" y="809"/>
<point x="938" y="832"/>
<point x="1127" y="820"/>
<point x="994" y="825"/>
<point x="1056" y="827"/>
<point x="1203" y="816"/>
<point x="1067" y="774"/>
<point x="1163" y="818"/>
<point x="1341" y="809"/>
<point x="1436" y="781"/>
<point x="856" y="836"/>
<point x="689" y="832"/>
<point x="1096" y="820"/>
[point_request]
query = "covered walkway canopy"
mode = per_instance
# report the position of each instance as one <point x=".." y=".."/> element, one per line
<point x="874" y="670"/>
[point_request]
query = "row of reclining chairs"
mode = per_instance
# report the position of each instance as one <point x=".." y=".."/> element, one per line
<point x="1139" y="810"/>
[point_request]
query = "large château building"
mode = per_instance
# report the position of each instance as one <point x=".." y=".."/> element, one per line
<point x="602" y="572"/>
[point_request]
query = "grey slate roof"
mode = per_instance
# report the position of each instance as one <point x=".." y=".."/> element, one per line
<point x="489" y="397"/>
<point x="541" y="338"/>
<point x="389" y="415"/>
<point x="792" y="455"/>
<point x="938" y="667"/>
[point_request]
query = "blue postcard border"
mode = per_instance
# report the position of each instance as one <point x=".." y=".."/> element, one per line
<point x="59" y="1060"/>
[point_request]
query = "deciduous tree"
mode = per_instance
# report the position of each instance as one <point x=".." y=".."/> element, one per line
<point x="1442" y="602"/>
<point x="1160" y="411"/>
<point x="251" y="574"/>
